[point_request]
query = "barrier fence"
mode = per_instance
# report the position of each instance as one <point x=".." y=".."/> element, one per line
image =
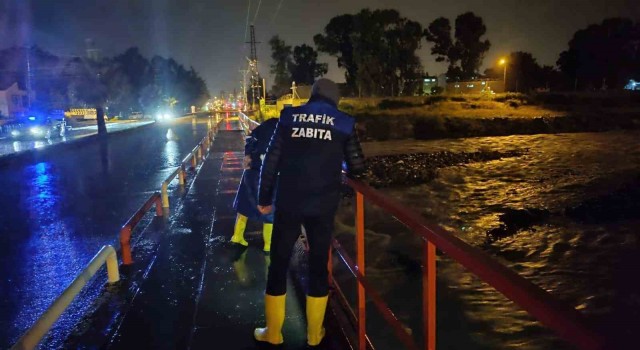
<point x="127" y="228"/>
<point x="33" y="336"/>
<point x="247" y="123"/>
<point x="195" y="157"/>
<point x="565" y="321"/>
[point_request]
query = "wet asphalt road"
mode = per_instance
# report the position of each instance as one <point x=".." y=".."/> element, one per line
<point x="10" y="145"/>
<point x="56" y="213"/>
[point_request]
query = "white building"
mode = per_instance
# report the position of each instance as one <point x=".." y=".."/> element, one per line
<point x="13" y="101"/>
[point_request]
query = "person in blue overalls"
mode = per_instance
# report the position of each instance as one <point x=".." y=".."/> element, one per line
<point x="246" y="201"/>
<point x="305" y="161"/>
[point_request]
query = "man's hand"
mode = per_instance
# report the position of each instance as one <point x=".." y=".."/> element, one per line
<point x="265" y="210"/>
<point x="246" y="162"/>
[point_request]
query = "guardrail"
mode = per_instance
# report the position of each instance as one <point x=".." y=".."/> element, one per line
<point x="247" y="123"/>
<point x="127" y="228"/>
<point x="33" y="336"/>
<point x="195" y="157"/>
<point x="565" y="321"/>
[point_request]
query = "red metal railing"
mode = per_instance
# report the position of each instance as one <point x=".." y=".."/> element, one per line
<point x="567" y="322"/>
<point x="125" y="232"/>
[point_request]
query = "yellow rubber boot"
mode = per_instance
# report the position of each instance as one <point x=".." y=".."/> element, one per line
<point x="274" y="311"/>
<point x="238" y="230"/>
<point x="267" y="230"/>
<point x="316" y="308"/>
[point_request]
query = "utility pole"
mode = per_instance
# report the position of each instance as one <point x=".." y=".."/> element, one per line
<point x="253" y="68"/>
<point x="244" y="73"/>
<point x="28" y="51"/>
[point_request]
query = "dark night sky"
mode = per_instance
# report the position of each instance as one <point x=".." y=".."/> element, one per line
<point x="209" y="34"/>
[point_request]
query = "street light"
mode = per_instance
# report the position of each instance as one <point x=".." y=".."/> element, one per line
<point x="503" y="62"/>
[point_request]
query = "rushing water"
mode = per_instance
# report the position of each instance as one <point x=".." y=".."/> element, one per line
<point x="591" y="262"/>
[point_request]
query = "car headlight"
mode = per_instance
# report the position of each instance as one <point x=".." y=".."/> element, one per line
<point x="15" y="133"/>
<point x="36" y="131"/>
<point x="167" y="116"/>
<point x="159" y="116"/>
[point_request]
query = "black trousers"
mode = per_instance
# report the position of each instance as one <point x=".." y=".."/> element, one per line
<point x="286" y="230"/>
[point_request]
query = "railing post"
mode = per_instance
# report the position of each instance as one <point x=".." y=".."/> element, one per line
<point x="112" y="267"/>
<point x="181" y="175"/>
<point x="429" y="295"/>
<point x="165" y="195"/>
<point x="200" y="152"/>
<point x="159" y="211"/>
<point x="125" y="238"/>
<point x="362" y="321"/>
<point x="194" y="160"/>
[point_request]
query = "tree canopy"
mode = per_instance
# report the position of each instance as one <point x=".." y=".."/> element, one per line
<point x="603" y="55"/>
<point x="464" y="54"/>
<point x="299" y="65"/>
<point x="124" y="83"/>
<point x="376" y="48"/>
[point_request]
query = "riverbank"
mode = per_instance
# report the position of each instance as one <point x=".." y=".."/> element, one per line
<point x="553" y="211"/>
<point x="440" y="117"/>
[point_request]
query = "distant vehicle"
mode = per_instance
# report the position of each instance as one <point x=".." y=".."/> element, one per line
<point x="136" y="115"/>
<point x="38" y="127"/>
<point x="164" y="115"/>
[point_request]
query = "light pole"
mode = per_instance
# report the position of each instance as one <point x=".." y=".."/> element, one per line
<point x="503" y="62"/>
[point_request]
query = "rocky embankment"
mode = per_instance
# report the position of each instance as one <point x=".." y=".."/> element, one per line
<point x="382" y="127"/>
<point x="418" y="168"/>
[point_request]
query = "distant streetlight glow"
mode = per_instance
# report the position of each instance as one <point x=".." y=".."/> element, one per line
<point x="503" y="62"/>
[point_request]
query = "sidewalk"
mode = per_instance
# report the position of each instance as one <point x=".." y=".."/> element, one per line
<point x="202" y="292"/>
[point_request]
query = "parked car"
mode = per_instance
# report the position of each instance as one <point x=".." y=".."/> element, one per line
<point x="38" y="128"/>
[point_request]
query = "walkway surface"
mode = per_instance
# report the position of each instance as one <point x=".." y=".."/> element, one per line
<point x="202" y="292"/>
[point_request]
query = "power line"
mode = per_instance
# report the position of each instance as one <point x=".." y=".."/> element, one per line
<point x="277" y="11"/>
<point x="246" y="26"/>
<point x="257" y="11"/>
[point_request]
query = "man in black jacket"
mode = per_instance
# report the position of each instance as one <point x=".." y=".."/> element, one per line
<point x="304" y="161"/>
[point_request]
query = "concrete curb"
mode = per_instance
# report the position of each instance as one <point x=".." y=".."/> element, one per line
<point x="40" y="154"/>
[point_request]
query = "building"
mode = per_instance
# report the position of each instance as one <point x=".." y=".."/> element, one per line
<point x="429" y="83"/>
<point x="475" y="87"/>
<point x="14" y="101"/>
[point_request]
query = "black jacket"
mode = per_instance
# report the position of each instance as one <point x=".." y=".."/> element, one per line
<point x="305" y="156"/>
<point x="257" y="142"/>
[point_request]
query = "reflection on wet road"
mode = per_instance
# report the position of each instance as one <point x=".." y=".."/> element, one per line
<point x="57" y="213"/>
<point x="9" y="145"/>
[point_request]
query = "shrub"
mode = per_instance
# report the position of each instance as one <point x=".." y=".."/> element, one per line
<point x="434" y="99"/>
<point x="394" y="104"/>
<point x="458" y="99"/>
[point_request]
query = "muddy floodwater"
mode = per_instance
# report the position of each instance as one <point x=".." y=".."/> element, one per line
<point x="561" y="210"/>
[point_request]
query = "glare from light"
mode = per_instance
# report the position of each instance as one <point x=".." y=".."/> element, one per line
<point x="32" y="118"/>
<point x="15" y="133"/>
<point x="36" y="131"/>
<point x="503" y="61"/>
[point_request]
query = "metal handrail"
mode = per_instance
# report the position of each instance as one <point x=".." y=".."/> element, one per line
<point x="194" y="157"/>
<point x="247" y="123"/>
<point x="32" y="337"/>
<point x="565" y="321"/>
<point x="127" y="228"/>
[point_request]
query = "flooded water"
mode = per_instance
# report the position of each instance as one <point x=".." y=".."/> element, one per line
<point x="57" y="213"/>
<point x="572" y="239"/>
